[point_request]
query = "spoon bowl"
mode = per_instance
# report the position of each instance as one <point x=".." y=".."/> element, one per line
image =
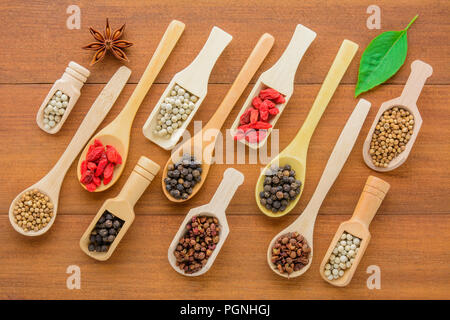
<point x="232" y="179"/>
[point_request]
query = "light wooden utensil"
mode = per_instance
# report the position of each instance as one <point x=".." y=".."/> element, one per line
<point x="420" y="71"/>
<point x="279" y="77"/>
<point x="196" y="145"/>
<point x="194" y="79"/>
<point x="122" y="206"/>
<point x="117" y="133"/>
<point x="370" y="200"/>
<point x="304" y="224"/>
<point x="51" y="183"/>
<point x="232" y="179"/>
<point x="295" y="153"/>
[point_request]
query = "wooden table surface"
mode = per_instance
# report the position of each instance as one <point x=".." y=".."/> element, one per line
<point x="410" y="233"/>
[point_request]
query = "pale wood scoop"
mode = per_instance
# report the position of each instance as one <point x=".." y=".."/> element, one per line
<point x="122" y="206"/>
<point x="279" y="77"/>
<point x="232" y="179"/>
<point x="194" y="79"/>
<point x="117" y="133"/>
<point x="370" y="200"/>
<point x="420" y="72"/>
<point x="304" y="224"/>
<point x="295" y="153"/>
<point x="202" y="144"/>
<point x="51" y="183"/>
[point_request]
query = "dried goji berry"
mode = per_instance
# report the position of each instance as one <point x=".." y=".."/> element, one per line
<point x="261" y="125"/>
<point x="274" y="111"/>
<point x="86" y="177"/>
<point x="91" y="187"/>
<point x="97" y="181"/>
<point x="95" y="154"/>
<point x="83" y="166"/>
<point x="98" y="143"/>
<point x="264" y="114"/>
<point x="252" y="136"/>
<point x="280" y="99"/>
<point x="269" y="93"/>
<point x="256" y="102"/>
<point x="240" y="134"/>
<point x="91" y="148"/>
<point x="254" y="115"/>
<point x="245" y="117"/>
<point x="268" y="104"/>
<point x="113" y="155"/>
<point x="101" y="167"/>
<point x="107" y="180"/>
<point x="91" y="166"/>
<point x="108" y="172"/>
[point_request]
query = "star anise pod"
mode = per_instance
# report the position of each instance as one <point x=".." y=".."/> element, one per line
<point x="108" y="41"/>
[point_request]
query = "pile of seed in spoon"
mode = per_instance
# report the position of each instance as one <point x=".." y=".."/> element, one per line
<point x="33" y="210"/>
<point x="342" y="257"/>
<point x="280" y="187"/>
<point x="198" y="243"/>
<point x="105" y="232"/>
<point x="182" y="176"/>
<point x="290" y="253"/>
<point x="391" y="134"/>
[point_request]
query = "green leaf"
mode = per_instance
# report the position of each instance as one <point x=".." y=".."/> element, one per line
<point x="382" y="58"/>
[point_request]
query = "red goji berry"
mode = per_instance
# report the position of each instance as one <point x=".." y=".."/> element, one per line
<point x="83" y="167"/>
<point x="97" y="181"/>
<point x="264" y="114"/>
<point x="91" y="148"/>
<point x="95" y="154"/>
<point x="98" y="143"/>
<point x="240" y="134"/>
<point x="261" y="125"/>
<point x="113" y="155"/>
<point x="256" y="102"/>
<point x="107" y="180"/>
<point x="268" y="104"/>
<point x="274" y="111"/>
<point x="86" y="177"/>
<point x="280" y="99"/>
<point x="252" y="136"/>
<point x="245" y="117"/>
<point x="91" y="187"/>
<point x="269" y="93"/>
<point x="254" y="115"/>
<point x="101" y="167"/>
<point x="91" y="166"/>
<point x="108" y="172"/>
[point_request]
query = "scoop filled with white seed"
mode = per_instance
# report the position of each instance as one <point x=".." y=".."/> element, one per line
<point x="352" y="237"/>
<point x="55" y="109"/>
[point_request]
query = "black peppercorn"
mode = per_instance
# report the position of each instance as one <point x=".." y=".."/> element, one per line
<point x="104" y="233"/>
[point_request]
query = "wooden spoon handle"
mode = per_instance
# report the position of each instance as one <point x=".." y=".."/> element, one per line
<point x="247" y="72"/>
<point x="232" y="179"/>
<point x="90" y="123"/>
<point x="162" y="52"/>
<point x="339" y="155"/>
<point x="370" y="200"/>
<point x="420" y="71"/>
<point x="340" y="64"/>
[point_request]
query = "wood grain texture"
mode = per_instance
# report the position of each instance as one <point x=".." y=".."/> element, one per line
<point x="139" y="268"/>
<point x="410" y="233"/>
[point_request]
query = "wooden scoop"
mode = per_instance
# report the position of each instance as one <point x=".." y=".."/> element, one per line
<point x="51" y="183"/>
<point x="295" y="153"/>
<point x="304" y="224"/>
<point x="280" y="77"/>
<point x="420" y="71"/>
<point x="358" y="226"/>
<point x="117" y="133"/>
<point x="122" y="205"/>
<point x="196" y="145"/>
<point x="194" y="79"/>
<point x="232" y="179"/>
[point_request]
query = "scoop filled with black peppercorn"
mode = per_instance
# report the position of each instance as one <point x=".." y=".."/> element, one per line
<point x="181" y="178"/>
<point x="105" y="232"/>
<point x="280" y="187"/>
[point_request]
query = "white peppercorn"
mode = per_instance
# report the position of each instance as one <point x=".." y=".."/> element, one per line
<point x="342" y="257"/>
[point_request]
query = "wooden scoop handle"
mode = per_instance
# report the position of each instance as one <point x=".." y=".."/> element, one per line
<point x="232" y="179"/>
<point x="420" y="72"/>
<point x="370" y="200"/>
<point x="162" y="52"/>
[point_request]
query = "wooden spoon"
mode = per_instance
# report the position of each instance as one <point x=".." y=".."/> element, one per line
<point x="420" y="71"/>
<point x="232" y="179"/>
<point x="51" y="183"/>
<point x="295" y="153"/>
<point x="194" y="79"/>
<point x="279" y="77"/>
<point x="358" y="226"/>
<point x="122" y="206"/>
<point x="117" y="133"/>
<point x="304" y="224"/>
<point x="196" y="146"/>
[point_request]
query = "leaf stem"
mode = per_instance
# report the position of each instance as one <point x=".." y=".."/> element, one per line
<point x="412" y="21"/>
